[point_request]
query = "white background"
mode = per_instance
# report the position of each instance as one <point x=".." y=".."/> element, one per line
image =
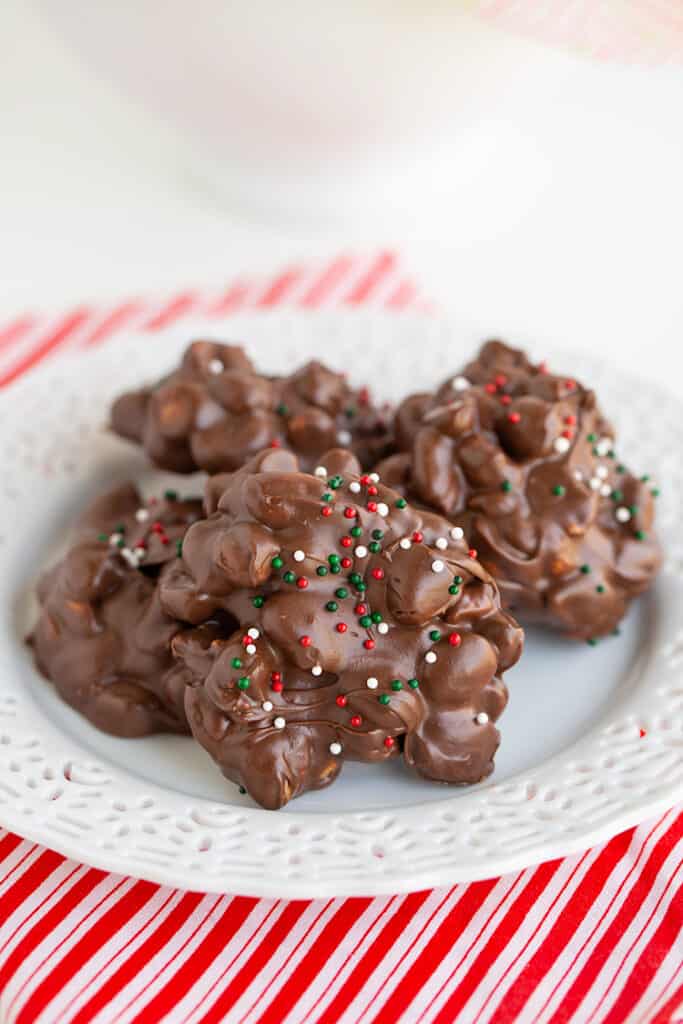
<point x="571" y="232"/>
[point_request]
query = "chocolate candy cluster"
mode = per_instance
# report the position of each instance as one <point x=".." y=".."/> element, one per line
<point x="102" y="636"/>
<point x="366" y="631"/>
<point x="524" y="462"/>
<point x="215" y="411"/>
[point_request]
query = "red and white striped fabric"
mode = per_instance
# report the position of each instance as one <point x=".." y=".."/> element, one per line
<point x="593" y="938"/>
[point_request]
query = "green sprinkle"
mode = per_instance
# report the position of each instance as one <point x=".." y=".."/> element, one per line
<point x="258" y="602"/>
<point x="377" y="534"/>
<point x="374" y="547"/>
<point x="355" y="578"/>
<point x="121" y="528"/>
<point x="121" y="543"/>
<point x="356" y="531"/>
<point x="591" y="437"/>
<point x="396" y="685"/>
<point x="335" y="482"/>
<point x="341" y="593"/>
<point x="326" y="496"/>
<point x="241" y="790"/>
<point x="645" y="478"/>
<point x="332" y="559"/>
<point x="365" y="621"/>
<point x="335" y="569"/>
<point x="600" y="588"/>
<point x="457" y="580"/>
<point x="595" y="451"/>
<point x="435" y="636"/>
<point x="361" y="587"/>
<point x="611" y="454"/>
<point x="558" y="491"/>
<point x="506" y="486"/>
<point x="331" y="606"/>
<point x="277" y="562"/>
<point x="384" y="698"/>
<point x="282" y="409"/>
<point x="592" y="641"/>
<point x="585" y="569"/>
<point x="289" y="577"/>
<point x="453" y="589"/>
<point x="621" y="468"/>
<point x="171" y="495"/>
<point x="401" y="503"/>
<point x="617" y="495"/>
<point x="349" y="413"/>
<point x="376" y="617"/>
<point x="236" y="663"/>
<point x="321" y="570"/>
<point x="243" y="683"/>
<point x="179" y="548"/>
<point x="633" y="509"/>
<point x="102" y="536"/>
<point x="640" y="535"/>
<point x="655" y="492"/>
<point x="413" y="684"/>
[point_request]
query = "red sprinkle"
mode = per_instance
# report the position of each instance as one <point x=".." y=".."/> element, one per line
<point x="418" y="537"/>
<point x="302" y="583"/>
<point x="505" y="399"/>
<point x="378" y="574"/>
<point x="455" y="639"/>
<point x="500" y="380"/>
<point x="350" y="513"/>
<point x="346" y="542"/>
<point x="164" y="540"/>
<point x="389" y="741"/>
<point x="326" y="511"/>
<point x="356" y="720"/>
<point x="305" y="641"/>
<point x="363" y="396"/>
<point x="372" y="506"/>
<point x="472" y="552"/>
<point x="365" y="479"/>
<point x="276" y="677"/>
<point x="642" y="732"/>
<point x="490" y="389"/>
<point x="346" y="563"/>
<point x="570" y="420"/>
<point x="278" y="687"/>
<point x="246" y="640"/>
<point x="570" y="384"/>
<point x="568" y="434"/>
<point x="361" y="609"/>
<point x="341" y="627"/>
<point x="341" y="700"/>
<point x="372" y="491"/>
<point x="514" y="417"/>
<point x="369" y="644"/>
<point x="543" y="367"/>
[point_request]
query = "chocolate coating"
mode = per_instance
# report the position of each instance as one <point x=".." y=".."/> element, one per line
<point x="215" y="411"/>
<point x="102" y="636"/>
<point x="523" y="462"/>
<point x="365" y="631"/>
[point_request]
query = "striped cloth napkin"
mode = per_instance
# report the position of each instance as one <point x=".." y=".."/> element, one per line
<point x="592" y="938"/>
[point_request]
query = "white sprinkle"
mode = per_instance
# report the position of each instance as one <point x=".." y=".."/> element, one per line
<point x="215" y="366"/>
<point x="374" y="477"/>
<point x="383" y="509"/>
<point x="603" y="446"/>
<point x="578" y="475"/>
<point x="457" y="533"/>
<point x="335" y="748"/>
<point x="115" y="538"/>
<point x="441" y="543"/>
<point x="430" y="657"/>
<point x="253" y="633"/>
<point x="299" y="555"/>
<point x="372" y="683"/>
<point x="360" y="551"/>
<point x="267" y="705"/>
<point x="460" y="384"/>
<point x="344" y="437"/>
<point x="482" y="718"/>
<point x="562" y="445"/>
<point x="605" y="490"/>
<point x="250" y="649"/>
<point x="130" y="557"/>
<point x="320" y="471"/>
<point x="354" y="487"/>
<point x="382" y="628"/>
<point x="406" y="543"/>
<point x="595" y="483"/>
<point x="317" y="670"/>
<point x="142" y="515"/>
<point x="602" y="472"/>
<point x="437" y="565"/>
<point x="623" y="515"/>
<point x="279" y="722"/>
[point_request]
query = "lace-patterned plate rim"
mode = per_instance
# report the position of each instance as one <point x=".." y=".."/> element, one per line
<point x="54" y="790"/>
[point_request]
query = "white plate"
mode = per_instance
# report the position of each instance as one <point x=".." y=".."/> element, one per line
<point x="573" y="767"/>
